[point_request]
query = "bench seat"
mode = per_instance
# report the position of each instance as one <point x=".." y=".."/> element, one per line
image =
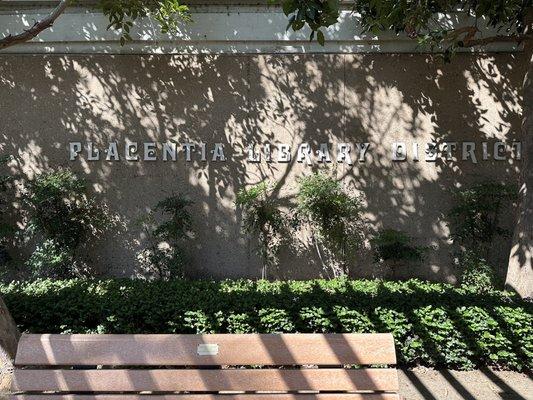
<point x="202" y="367"/>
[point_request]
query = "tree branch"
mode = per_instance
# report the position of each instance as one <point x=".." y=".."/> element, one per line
<point x="37" y="27"/>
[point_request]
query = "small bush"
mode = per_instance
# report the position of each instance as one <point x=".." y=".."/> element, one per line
<point x="476" y="274"/>
<point x="334" y="216"/>
<point x="168" y="228"/>
<point x="51" y="259"/>
<point x="433" y="324"/>
<point x="474" y="223"/>
<point x="62" y="210"/>
<point x="64" y="218"/>
<point x="474" y="220"/>
<point x="263" y="219"/>
<point x="178" y="225"/>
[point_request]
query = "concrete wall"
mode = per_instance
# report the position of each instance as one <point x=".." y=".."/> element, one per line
<point x="48" y="101"/>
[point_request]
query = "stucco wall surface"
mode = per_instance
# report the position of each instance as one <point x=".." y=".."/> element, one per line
<point x="48" y="101"/>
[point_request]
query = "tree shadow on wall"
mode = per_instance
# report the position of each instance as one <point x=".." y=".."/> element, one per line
<point x="401" y="98"/>
<point x="49" y="101"/>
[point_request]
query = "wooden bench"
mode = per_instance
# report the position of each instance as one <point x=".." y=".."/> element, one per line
<point x="202" y="367"/>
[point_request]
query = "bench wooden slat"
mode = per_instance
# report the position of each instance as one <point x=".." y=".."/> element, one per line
<point x="166" y="380"/>
<point x="254" y="396"/>
<point x="247" y="349"/>
<point x="277" y="396"/>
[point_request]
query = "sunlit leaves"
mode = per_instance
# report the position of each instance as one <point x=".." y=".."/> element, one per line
<point x="419" y="20"/>
<point x="125" y="13"/>
<point x="314" y="13"/>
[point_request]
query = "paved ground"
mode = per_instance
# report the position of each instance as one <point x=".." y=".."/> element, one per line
<point x="422" y="383"/>
<point x="429" y="384"/>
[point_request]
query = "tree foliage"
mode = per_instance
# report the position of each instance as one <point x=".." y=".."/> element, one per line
<point x="316" y="14"/>
<point x="123" y="14"/>
<point x="420" y="20"/>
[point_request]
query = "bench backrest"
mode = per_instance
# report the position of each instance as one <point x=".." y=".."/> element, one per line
<point x="206" y="365"/>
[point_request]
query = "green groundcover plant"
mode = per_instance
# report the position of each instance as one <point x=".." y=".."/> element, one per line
<point x="433" y="324"/>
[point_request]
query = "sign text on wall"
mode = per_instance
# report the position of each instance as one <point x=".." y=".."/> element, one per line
<point x="306" y="153"/>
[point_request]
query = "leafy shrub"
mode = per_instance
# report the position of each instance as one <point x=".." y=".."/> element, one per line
<point x="334" y="216"/>
<point x="476" y="274"/>
<point x="474" y="223"/>
<point x="50" y="259"/>
<point x="474" y="220"/>
<point x="66" y="218"/>
<point x="262" y="218"/>
<point x="274" y="320"/>
<point x="179" y="223"/>
<point x="166" y="255"/>
<point x="496" y="348"/>
<point x="352" y="320"/>
<point x="516" y="325"/>
<point x="393" y="245"/>
<point x="433" y="324"/>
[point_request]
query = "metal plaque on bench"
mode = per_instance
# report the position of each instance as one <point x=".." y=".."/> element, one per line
<point x="207" y="349"/>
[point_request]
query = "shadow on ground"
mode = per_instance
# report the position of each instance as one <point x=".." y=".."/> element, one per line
<point x="485" y="384"/>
